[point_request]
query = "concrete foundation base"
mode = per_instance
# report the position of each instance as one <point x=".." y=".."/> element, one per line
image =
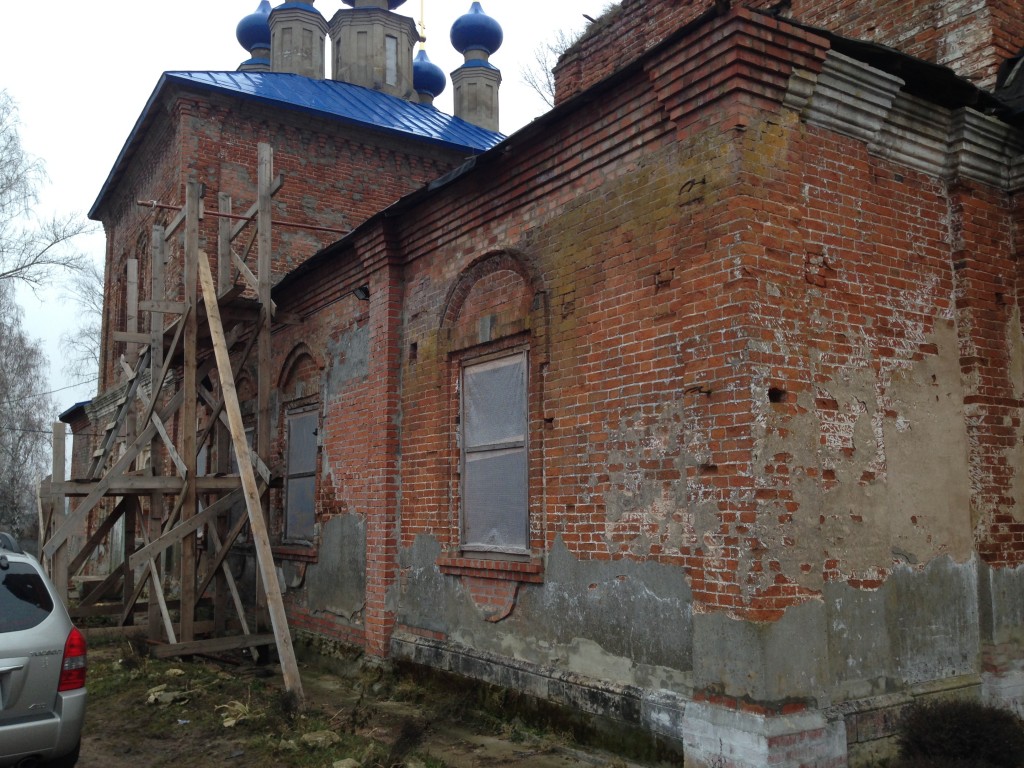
<point x="725" y="738"/>
<point x="1005" y="691"/>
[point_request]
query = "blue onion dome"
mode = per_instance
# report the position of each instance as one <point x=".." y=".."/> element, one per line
<point x="253" y="32"/>
<point x="392" y="4"/>
<point x="476" y="31"/>
<point x="427" y="77"/>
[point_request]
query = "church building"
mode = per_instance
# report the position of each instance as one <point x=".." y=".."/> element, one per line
<point x="695" y="404"/>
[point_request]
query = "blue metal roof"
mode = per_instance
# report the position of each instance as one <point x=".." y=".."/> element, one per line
<point x="327" y="99"/>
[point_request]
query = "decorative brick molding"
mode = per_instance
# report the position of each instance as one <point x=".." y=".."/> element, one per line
<point x="492" y="584"/>
<point x="854" y="99"/>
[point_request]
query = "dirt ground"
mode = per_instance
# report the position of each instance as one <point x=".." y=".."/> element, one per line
<point x="225" y="712"/>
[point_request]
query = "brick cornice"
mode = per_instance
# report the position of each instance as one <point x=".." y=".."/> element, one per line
<point x="856" y="100"/>
<point x="743" y="54"/>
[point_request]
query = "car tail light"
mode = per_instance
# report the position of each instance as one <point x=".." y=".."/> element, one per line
<point x="72" y="672"/>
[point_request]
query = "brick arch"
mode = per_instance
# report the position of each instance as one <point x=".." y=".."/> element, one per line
<point x="487" y="265"/>
<point x="300" y="359"/>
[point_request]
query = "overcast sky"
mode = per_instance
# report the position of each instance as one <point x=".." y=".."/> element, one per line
<point x="81" y="72"/>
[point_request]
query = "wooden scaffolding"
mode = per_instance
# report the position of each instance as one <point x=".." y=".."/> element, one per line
<point x="140" y="476"/>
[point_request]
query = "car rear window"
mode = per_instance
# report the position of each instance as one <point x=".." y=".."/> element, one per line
<point x="24" y="600"/>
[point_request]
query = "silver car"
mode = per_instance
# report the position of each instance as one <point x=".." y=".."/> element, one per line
<point x="42" y="667"/>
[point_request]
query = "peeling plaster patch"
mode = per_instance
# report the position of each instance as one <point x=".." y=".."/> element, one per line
<point x="348" y="358"/>
<point x="1014" y="456"/>
<point x="623" y="621"/>
<point x="336" y="583"/>
<point x="647" y="498"/>
<point x="929" y="644"/>
<point x="874" y="464"/>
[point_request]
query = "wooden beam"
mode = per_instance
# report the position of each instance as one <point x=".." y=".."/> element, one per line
<point x="162" y="306"/>
<point x="77" y="516"/>
<point x="101" y="589"/>
<point x="156" y="499"/>
<point x="97" y="536"/>
<point x="275" y="186"/>
<point x="187" y="527"/>
<point x="224" y="549"/>
<point x="213" y="645"/>
<point x="161" y="484"/>
<point x="189" y="410"/>
<point x="131" y="338"/>
<point x="59" y="563"/>
<point x="132" y="306"/>
<point x="260" y="535"/>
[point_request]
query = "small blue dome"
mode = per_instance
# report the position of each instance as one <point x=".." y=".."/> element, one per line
<point x="476" y="31"/>
<point x="254" y="30"/>
<point x="427" y="77"/>
<point x="392" y="4"/>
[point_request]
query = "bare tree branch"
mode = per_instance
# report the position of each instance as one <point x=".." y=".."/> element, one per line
<point x="81" y="346"/>
<point x="25" y="418"/>
<point x="31" y="250"/>
<point x="537" y="73"/>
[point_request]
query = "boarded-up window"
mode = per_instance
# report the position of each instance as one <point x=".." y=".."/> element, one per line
<point x="300" y="481"/>
<point x="494" y="472"/>
<point x="391" y="59"/>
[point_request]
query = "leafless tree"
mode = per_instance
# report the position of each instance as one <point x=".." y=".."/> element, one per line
<point x="25" y="418"/>
<point x="31" y="250"/>
<point x="81" y="346"/>
<point x="537" y="73"/>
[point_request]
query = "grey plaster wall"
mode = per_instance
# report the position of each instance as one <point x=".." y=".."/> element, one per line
<point x="337" y="582"/>
<point x="349" y="354"/>
<point x="920" y="626"/>
<point x="622" y="621"/>
<point x="1001" y="604"/>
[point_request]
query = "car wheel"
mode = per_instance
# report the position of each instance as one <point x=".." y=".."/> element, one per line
<point x="68" y="761"/>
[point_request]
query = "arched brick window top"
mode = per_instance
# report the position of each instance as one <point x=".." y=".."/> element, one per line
<point x="300" y="374"/>
<point x="493" y="298"/>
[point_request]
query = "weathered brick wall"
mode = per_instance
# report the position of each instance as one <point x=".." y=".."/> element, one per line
<point x="334" y="179"/>
<point x="969" y="36"/>
<point x="747" y="354"/>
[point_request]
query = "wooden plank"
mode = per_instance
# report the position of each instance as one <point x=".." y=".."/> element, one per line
<point x="132" y="306"/>
<point x="77" y="516"/>
<point x="100" y="458"/>
<point x="244" y="271"/>
<point x="242" y="224"/>
<point x="162" y="307"/>
<point x="213" y="645"/>
<point x="156" y="499"/>
<point x="224" y="549"/>
<point x="260" y="535"/>
<point x="59" y="564"/>
<point x="189" y="380"/>
<point x="156" y="588"/>
<point x="101" y="589"/>
<point x="129" y="337"/>
<point x="264" y="255"/>
<point x="217" y="406"/>
<point x="97" y="536"/>
<point x="223" y="242"/>
<point x="229" y="578"/>
<point x="163" y="484"/>
<point x="176" y="222"/>
<point x="187" y="527"/>
<point x="96" y="634"/>
<point x="161" y="429"/>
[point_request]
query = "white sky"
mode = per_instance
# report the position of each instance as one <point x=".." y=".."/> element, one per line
<point x="81" y="72"/>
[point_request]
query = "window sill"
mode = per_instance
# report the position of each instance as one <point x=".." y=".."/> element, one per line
<point x="295" y="552"/>
<point x="487" y="568"/>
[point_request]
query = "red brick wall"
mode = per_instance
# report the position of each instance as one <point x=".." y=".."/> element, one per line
<point x="730" y="336"/>
<point x="972" y="40"/>
<point x="333" y="178"/>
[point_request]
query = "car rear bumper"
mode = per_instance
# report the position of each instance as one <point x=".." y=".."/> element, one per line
<point x="52" y="735"/>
